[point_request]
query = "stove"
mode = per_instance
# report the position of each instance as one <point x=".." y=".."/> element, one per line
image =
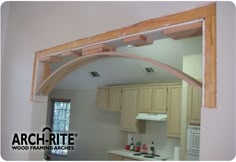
<point x="150" y="156"/>
<point x="146" y="155"/>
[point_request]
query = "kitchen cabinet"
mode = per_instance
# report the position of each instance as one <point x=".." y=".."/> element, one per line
<point x="159" y="99"/>
<point x="173" y="111"/>
<point x="152" y="99"/>
<point x="129" y="111"/>
<point x="145" y="99"/>
<point x="194" y="105"/>
<point x="129" y="159"/>
<point x="114" y="157"/>
<point x="102" y="98"/>
<point x="114" y="102"/>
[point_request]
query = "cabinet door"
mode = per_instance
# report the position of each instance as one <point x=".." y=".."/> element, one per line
<point x="114" y="157"/>
<point x="114" y="103"/>
<point x="128" y="111"/>
<point x="174" y="109"/>
<point x="129" y="159"/>
<point x="194" y="104"/>
<point x="159" y="99"/>
<point x="102" y="98"/>
<point x="145" y="99"/>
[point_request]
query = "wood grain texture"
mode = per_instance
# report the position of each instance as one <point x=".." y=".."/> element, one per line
<point x="189" y="15"/>
<point x="33" y="78"/>
<point x="46" y="71"/>
<point x="210" y="63"/>
<point x="71" y="53"/>
<point x="97" y="49"/>
<point x="46" y="87"/>
<point x="138" y="40"/>
<point x="50" y="59"/>
<point x="207" y="12"/>
<point x="184" y="31"/>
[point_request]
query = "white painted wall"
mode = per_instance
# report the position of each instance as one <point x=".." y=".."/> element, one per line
<point x="218" y="125"/>
<point x="157" y="132"/>
<point x="33" y="26"/>
<point x="99" y="131"/>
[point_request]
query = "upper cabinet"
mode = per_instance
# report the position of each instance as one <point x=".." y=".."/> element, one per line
<point x="194" y="105"/>
<point x="129" y="111"/>
<point x="159" y="99"/>
<point x="174" y="109"/>
<point x="102" y="98"/>
<point x="145" y="99"/>
<point x="109" y="98"/>
<point x="114" y="103"/>
<point x="152" y="99"/>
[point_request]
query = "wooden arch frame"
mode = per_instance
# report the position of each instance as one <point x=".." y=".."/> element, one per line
<point x="41" y="71"/>
<point x="48" y="84"/>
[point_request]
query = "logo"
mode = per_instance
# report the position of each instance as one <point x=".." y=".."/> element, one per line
<point x="44" y="141"/>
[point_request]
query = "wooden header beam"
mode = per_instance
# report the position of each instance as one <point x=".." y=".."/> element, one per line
<point x="188" y="15"/>
<point x="206" y="13"/>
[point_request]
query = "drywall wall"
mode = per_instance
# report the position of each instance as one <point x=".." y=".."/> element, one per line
<point x="99" y="131"/>
<point x="157" y="132"/>
<point x="29" y="30"/>
<point x="192" y="65"/>
<point x="218" y="125"/>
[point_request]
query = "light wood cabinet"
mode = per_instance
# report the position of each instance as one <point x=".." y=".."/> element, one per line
<point x="129" y="159"/>
<point x="174" y="109"/>
<point x="159" y="99"/>
<point x="152" y="99"/>
<point x="194" y="105"/>
<point x="102" y="98"/>
<point x="145" y="99"/>
<point x="114" y="103"/>
<point x="114" y="157"/>
<point x="129" y="111"/>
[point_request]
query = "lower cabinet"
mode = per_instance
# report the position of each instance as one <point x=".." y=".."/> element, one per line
<point x="114" y="157"/>
<point x="173" y="111"/>
<point x="129" y="111"/>
<point x="129" y="159"/>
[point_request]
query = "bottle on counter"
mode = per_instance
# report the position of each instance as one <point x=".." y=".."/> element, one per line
<point x="152" y="148"/>
<point x="131" y="147"/>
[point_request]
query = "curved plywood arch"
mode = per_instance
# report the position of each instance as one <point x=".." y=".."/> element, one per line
<point x="46" y="87"/>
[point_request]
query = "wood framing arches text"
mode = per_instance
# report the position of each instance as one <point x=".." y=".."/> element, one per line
<point x="208" y="13"/>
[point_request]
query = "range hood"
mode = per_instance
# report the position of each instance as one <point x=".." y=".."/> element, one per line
<point x="152" y="117"/>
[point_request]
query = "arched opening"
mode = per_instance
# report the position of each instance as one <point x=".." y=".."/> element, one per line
<point x="47" y="86"/>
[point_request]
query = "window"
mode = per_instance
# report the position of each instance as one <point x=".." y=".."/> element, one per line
<point x="60" y="120"/>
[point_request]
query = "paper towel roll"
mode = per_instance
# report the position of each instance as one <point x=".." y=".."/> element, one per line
<point x="176" y="154"/>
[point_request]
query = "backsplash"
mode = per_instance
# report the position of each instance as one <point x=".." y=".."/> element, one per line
<point x="157" y="132"/>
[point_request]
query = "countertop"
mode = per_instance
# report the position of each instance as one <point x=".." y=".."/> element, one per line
<point x="129" y="154"/>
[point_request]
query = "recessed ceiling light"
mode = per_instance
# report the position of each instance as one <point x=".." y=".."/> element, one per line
<point x="149" y="69"/>
<point x="95" y="74"/>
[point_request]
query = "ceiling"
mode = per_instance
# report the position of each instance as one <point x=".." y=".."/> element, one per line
<point x="116" y="71"/>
